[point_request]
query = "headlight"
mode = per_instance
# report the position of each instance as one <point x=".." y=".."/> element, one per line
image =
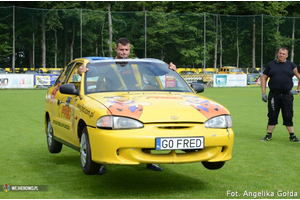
<point x="116" y="122"/>
<point x="223" y="121"/>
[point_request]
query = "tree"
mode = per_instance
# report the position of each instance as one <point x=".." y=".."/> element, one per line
<point x="110" y="32"/>
<point x="5" y="45"/>
<point x="43" y="41"/>
<point x="54" y="23"/>
<point x="168" y="30"/>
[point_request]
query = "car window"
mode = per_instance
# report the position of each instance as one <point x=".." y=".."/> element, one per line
<point x="235" y="70"/>
<point x="191" y="72"/>
<point x="187" y="72"/>
<point x="62" y="78"/>
<point x="132" y="76"/>
<point x="54" y="71"/>
<point x="74" y="76"/>
<point x="30" y="72"/>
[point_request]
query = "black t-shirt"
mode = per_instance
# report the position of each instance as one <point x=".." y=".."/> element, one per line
<point x="127" y="74"/>
<point x="281" y="75"/>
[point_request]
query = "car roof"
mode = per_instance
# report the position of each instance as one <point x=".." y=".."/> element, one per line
<point x="229" y="67"/>
<point x="108" y="59"/>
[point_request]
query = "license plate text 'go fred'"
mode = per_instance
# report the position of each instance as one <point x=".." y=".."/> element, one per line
<point x="179" y="143"/>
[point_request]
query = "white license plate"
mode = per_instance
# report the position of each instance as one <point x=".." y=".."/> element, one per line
<point x="179" y="143"/>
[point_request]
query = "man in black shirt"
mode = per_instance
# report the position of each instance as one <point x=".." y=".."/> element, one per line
<point x="280" y="72"/>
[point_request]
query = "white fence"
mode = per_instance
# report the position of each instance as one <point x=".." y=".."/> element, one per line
<point x="239" y="80"/>
<point x="16" y="81"/>
<point x="230" y="80"/>
<point x="26" y="81"/>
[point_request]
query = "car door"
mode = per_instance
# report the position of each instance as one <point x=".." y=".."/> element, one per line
<point x="64" y="105"/>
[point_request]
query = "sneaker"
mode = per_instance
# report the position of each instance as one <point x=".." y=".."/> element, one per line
<point x="102" y="170"/>
<point x="154" y="167"/>
<point x="294" y="138"/>
<point x="267" y="138"/>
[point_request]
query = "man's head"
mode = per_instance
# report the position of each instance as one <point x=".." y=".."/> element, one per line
<point x="122" y="48"/>
<point x="282" y="54"/>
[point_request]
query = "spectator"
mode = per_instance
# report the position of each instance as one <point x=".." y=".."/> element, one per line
<point x="280" y="72"/>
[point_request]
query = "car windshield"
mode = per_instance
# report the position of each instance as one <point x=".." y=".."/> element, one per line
<point x="235" y="70"/>
<point x="54" y="71"/>
<point x="30" y="72"/>
<point x="187" y="72"/>
<point x="140" y="75"/>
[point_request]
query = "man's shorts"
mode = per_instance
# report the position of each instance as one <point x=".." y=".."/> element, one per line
<point x="283" y="102"/>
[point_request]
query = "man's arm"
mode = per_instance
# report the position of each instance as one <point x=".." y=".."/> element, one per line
<point x="263" y="83"/>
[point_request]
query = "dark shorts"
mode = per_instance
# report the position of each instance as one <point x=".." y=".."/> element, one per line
<point x="283" y="102"/>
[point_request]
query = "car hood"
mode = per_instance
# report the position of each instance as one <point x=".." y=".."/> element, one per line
<point x="150" y="107"/>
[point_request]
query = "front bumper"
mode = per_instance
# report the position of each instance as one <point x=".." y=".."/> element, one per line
<point x="127" y="147"/>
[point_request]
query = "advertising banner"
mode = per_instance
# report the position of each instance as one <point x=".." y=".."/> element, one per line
<point x="230" y="80"/>
<point x="44" y="80"/>
<point x="253" y="79"/>
<point x="16" y="81"/>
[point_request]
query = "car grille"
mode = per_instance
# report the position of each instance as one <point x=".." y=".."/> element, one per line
<point x="174" y="127"/>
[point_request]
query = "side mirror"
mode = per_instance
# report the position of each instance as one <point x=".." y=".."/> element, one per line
<point x="197" y="87"/>
<point x="69" y="88"/>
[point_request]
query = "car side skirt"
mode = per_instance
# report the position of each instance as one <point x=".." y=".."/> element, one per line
<point x="67" y="143"/>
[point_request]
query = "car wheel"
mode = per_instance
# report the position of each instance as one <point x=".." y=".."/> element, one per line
<point x="53" y="145"/>
<point x="88" y="166"/>
<point x="213" y="165"/>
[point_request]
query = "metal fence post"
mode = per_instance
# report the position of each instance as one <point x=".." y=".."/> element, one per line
<point x="14" y="40"/>
<point x="262" y="43"/>
<point x="145" y="34"/>
<point x="204" y="40"/>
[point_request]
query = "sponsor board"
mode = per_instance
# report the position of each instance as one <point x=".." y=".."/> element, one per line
<point x="44" y="80"/>
<point x="230" y="80"/>
<point x="16" y="81"/>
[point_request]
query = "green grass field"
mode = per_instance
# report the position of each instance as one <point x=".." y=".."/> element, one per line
<point x="257" y="168"/>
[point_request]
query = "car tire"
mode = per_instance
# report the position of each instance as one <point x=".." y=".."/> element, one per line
<point x="53" y="145"/>
<point x="88" y="166"/>
<point x="213" y="165"/>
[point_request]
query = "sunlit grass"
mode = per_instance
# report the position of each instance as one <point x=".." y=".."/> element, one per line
<point x="255" y="167"/>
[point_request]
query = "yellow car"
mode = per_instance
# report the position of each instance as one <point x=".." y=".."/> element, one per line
<point x="133" y="111"/>
<point x="54" y="71"/>
<point x="231" y="70"/>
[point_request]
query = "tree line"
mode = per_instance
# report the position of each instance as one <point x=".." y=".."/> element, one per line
<point x="190" y="34"/>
